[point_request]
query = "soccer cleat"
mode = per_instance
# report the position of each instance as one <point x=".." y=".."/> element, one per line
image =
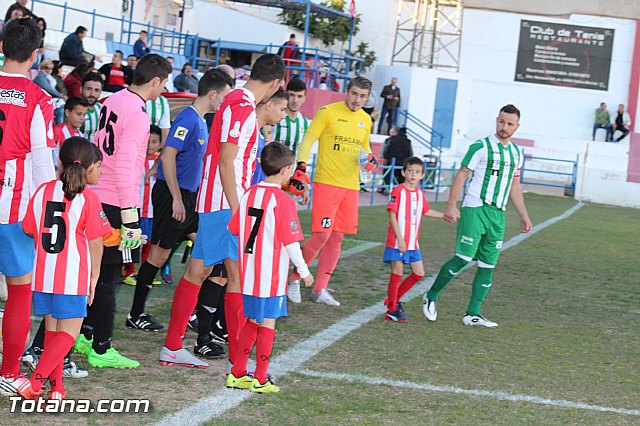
<point x="144" y="321"/>
<point x="24" y="389"/>
<point x="30" y="359"/>
<point x="111" y="359"/>
<point x="219" y="333"/>
<point x="209" y="350"/>
<point x="83" y="345"/>
<point x="293" y="291"/>
<point x="57" y="395"/>
<point x="131" y="280"/>
<point x="324" y="297"/>
<point x="243" y="382"/>
<point x="396" y="316"/>
<point x="478" y="320"/>
<point x="267" y="387"/>
<point x="156" y="282"/>
<point x="72" y="370"/>
<point x="193" y="321"/>
<point x="181" y="357"/>
<point x="8" y="386"/>
<point x="429" y="308"/>
<point x="166" y="275"/>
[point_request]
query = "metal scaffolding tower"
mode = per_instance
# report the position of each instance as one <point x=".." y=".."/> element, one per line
<point x="428" y="33"/>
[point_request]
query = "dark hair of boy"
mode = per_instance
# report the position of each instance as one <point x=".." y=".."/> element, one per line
<point x="360" y="83"/>
<point x="80" y="30"/>
<point x="296" y="85"/>
<point x="214" y="79"/>
<point x="412" y="161"/>
<point x="21" y="38"/>
<point x="267" y="68"/>
<point x="274" y="157"/>
<point x="76" y="155"/>
<point x="120" y="52"/>
<point x="511" y="109"/>
<point x="280" y="94"/>
<point x="149" y="67"/>
<point x="74" y="102"/>
<point x="93" y="76"/>
<point x="155" y="130"/>
<point x="133" y="56"/>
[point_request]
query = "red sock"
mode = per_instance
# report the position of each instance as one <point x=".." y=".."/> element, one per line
<point x="144" y="254"/>
<point x="392" y="291"/>
<point x="246" y="340"/>
<point x="129" y="269"/>
<point x="54" y="352"/>
<point x="233" y="310"/>
<point x="328" y="260"/>
<point x="184" y="302"/>
<point x="264" y="344"/>
<point x="15" y="328"/>
<point x="406" y="285"/>
<point x="55" y="378"/>
<point x="310" y="249"/>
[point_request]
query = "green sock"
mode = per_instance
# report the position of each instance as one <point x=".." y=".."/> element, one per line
<point x="481" y="286"/>
<point x="449" y="270"/>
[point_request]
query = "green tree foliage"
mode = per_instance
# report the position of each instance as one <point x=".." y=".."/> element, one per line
<point x="328" y="28"/>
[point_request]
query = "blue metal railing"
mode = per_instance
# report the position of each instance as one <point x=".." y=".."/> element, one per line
<point x="315" y="64"/>
<point x="414" y="125"/>
<point x="572" y="174"/>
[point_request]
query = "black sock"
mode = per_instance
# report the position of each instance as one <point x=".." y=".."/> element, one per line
<point x="219" y="315"/>
<point x="146" y="275"/>
<point x="38" y="340"/>
<point x="207" y="306"/>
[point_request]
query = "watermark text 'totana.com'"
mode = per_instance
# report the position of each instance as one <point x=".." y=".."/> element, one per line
<point x="19" y="405"/>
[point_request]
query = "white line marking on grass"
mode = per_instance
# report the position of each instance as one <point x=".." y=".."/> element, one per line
<point x="366" y="245"/>
<point x="290" y="360"/>
<point x="504" y="396"/>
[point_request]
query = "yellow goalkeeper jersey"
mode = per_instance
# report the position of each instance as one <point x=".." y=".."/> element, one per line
<point x="340" y="133"/>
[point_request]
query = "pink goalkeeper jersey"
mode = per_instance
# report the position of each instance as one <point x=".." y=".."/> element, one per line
<point x="61" y="232"/>
<point x="234" y="122"/>
<point x="26" y="124"/>
<point x="266" y="222"/>
<point x="122" y="136"/>
<point x="409" y="206"/>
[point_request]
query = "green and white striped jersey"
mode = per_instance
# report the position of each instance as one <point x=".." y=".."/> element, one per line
<point x="494" y="167"/>
<point x="91" y="121"/>
<point x="290" y="132"/>
<point x="159" y="112"/>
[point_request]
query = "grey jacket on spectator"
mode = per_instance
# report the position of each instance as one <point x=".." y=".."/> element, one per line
<point x="185" y="83"/>
<point x="41" y="80"/>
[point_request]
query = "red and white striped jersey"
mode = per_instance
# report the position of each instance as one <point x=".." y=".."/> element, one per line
<point x="26" y="123"/>
<point x="61" y="232"/>
<point x="409" y="206"/>
<point x="234" y="122"/>
<point x="266" y="222"/>
<point x="62" y="132"/>
<point x="146" y="209"/>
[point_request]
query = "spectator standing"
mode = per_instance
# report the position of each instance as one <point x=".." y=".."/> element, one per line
<point x="20" y="5"/>
<point x="602" y="121"/>
<point x="289" y="50"/>
<point x="141" y="46"/>
<point x="620" y="121"/>
<point x="72" y="50"/>
<point x="48" y="84"/>
<point x="398" y="147"/>
<point x="116" y="75"/>
<point x="186" y="81"/>
<point x="391" y="95"/>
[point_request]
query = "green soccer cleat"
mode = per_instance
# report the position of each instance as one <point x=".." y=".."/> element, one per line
<point x="267" y="387"/>
<point x="243" y="382"/>
<point x="82" y="345"/>
<point x="131" y="280"/>
<point x="111" y="359"/>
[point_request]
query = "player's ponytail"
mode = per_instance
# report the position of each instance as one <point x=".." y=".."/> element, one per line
<point x="76" y="155"/>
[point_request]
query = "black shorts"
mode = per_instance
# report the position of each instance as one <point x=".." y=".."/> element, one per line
<point x="167" y="231"/>
<point x="111" y="255"/>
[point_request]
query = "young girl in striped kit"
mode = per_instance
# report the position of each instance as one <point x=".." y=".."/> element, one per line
<point x="67" y="224"/>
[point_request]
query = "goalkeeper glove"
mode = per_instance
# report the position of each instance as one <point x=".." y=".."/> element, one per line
<point x="372" y="164"/>
<point x="130" y="233"/>
<point x="298" y="183"/>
